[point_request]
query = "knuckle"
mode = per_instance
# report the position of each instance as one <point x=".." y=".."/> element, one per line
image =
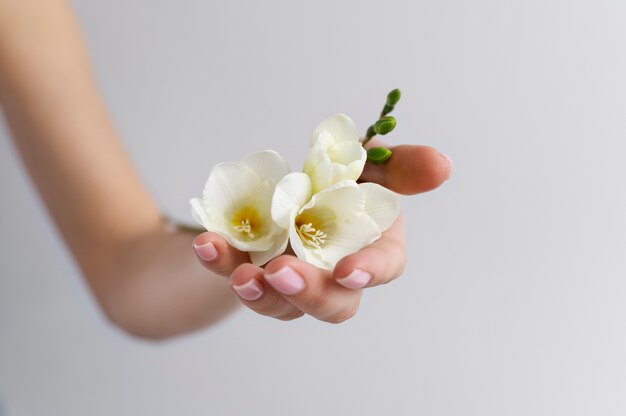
<point x="222" y="270"/>
<point x="223" y="266"/>
<point x="343" y="315"/>
<point x="273" y="307"/>
<point x="314" y="300"/>
<point x="290" y="316"/>
<point x="267" y="309"/>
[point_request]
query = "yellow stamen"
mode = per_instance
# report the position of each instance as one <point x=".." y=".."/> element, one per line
<point x="245" y="228"/>
<point x="247" y="222"/>
<point x="310" y="236"/>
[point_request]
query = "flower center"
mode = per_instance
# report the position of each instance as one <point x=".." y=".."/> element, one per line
<point x="245" y="228"/>
<point x="247" y="222"/>
<point x="310" y="228"/>
<point x="310" y="236"/>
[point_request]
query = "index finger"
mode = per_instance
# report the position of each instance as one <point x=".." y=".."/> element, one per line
<point x="217" y="255"/>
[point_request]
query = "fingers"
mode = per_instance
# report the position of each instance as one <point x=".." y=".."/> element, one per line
<point x="376" y="264"/>
<point x="217" y="255"/>
<point x="248" y="283"/>
<point x="312" y="290"/>
<point x="289" y="287"/>
<point x="410" y="170"/>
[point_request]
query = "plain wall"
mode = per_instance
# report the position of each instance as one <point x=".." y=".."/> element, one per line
<point x="514" y="298"/>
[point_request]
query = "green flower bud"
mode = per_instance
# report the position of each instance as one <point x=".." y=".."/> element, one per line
<point x="378" y="155"/>
<point x="385" y="125"/>
<point x="370" y="133"/>
<point x="386" y="110"/>
<point x="393" y="97"/>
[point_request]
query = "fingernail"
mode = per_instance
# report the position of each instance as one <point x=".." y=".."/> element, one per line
<point x="286" y="281"/>
<point x="206" y="251"/>
<point x="355" y="280"/>
<point x="251" y="290"/>
<point x="450" y="163"/>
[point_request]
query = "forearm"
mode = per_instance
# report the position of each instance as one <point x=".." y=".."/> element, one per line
<point x="63" y="132"/>
<point x="162" y="290"/>
<point x="145" y="277"/>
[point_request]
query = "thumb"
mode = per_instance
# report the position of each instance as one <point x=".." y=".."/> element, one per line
<point x="410" y="169"/>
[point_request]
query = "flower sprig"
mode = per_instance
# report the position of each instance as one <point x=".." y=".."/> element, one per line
<point x="384" y="125"/>
<point x="259" y="205"/>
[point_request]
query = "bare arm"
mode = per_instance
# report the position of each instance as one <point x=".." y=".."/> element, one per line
<point x="145" y="277"/>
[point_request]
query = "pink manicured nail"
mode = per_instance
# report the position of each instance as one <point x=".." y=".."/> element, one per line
<point x="355" y="280"/>
<point x="251" y="290"/>
<point x="206" y="251"/>
<point x="450" y="163"/>
<point x="286" y="281"/>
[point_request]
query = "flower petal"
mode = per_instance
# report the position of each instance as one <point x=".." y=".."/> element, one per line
<point x="381" y="204"/>
<point x="347" y="238"/>
<point x="291" y="193"/>
<point x="228" y="185"/>
<point x="268" y="164"/>
<point x="319" y="168"/>
<point x="280" y="244"/>
<point x="344" y="198"/>
<point x="297" y="246"/>
<point x="323" y="141"/>
<point x="197" y="212"/>
<point x="264" y="244"/>
<point x="340" y="126"/>
<point x="314" y="158"/>
<point x="232" y="187"/>
<point x="340" y="161"/>
<point x="345" y="153"/>
<point x="333" y="209"/>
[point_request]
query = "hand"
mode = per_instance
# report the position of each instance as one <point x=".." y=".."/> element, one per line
<point x="287" y="287"/>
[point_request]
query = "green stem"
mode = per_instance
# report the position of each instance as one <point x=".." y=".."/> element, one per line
<point x="368" y="136"/>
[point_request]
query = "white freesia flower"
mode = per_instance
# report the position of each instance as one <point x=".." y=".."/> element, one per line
<point x="335" y="153"/>
<point x="236" y="204"/>
<point x="335" y="222"/>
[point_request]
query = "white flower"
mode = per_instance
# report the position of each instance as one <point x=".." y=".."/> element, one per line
<point x="335" y="153"/>
<point x="335" y="222"/>
<point x="236" y="204"/>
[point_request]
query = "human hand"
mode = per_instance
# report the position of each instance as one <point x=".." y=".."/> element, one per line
<point x="287" y="287"/>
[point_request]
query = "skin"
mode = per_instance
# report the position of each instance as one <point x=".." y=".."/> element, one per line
<point x="145" y="275"/>
<point x="411" y="170"/>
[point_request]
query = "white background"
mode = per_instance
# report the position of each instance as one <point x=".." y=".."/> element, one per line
<point x="514" y="299"/>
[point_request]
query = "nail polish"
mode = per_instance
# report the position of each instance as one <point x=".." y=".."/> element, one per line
<point x="251" y="290"/>
<point x="355" y="280"/>
<point x="450" y="163"/>
<point x="206" y="251"/>
<point x="286" y="281"/>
